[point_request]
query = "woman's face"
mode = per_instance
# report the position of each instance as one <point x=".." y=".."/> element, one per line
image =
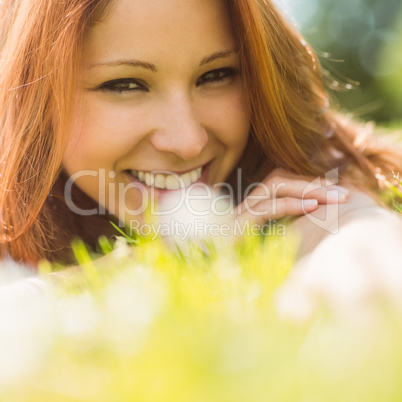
<point x="160" y="92"/>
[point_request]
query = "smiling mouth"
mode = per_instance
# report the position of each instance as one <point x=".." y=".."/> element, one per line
<point x="167" y="180"/>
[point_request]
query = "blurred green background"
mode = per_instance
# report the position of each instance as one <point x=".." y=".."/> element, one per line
<point x="360" y="43"/>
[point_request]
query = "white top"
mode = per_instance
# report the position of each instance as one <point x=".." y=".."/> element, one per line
<point x="330" y="221"/>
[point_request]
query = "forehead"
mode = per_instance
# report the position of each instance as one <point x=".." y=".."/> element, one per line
<point x="160" y="29"/>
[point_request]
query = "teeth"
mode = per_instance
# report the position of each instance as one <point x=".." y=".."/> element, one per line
<point x="149" y="179"/>
<point x="186" y="179"/>
<point x="172" y="182"/>
<point x="194" y="175"/>
<point x="160" y="181"/>
<point x="168" y="182"/>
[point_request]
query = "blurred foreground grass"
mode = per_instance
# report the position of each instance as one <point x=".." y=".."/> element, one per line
<point x="147" y="323"/>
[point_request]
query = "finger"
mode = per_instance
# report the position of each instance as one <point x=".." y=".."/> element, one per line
<point x="329" y="195"/>
<point x="287" y="174"/>
<point x="276" y="187"/>
<point x="324" y="195"/>
<point x="297" y="189"/>
<point x="304" y="184"/>
<point x="267" y="210"/>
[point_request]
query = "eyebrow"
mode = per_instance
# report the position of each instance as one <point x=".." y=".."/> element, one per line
<point x="152" y="67"/>
<point x="130" y="63"/>
<point x="215" y="56"/>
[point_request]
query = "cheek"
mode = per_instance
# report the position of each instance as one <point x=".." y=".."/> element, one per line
<point x="229" y="119"/>
<point x="101" y="135"/>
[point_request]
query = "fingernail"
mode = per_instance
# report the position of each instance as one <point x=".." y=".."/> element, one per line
<point x="307" y="204"/>
<point x="343" y="190"/>
<point x="337" y="195"/>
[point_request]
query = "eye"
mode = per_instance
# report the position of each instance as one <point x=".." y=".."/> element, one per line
<point x="123" y="85"/>
<point x="216" y="76"/>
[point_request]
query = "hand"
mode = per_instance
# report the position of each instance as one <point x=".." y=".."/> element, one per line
<point x="284" y="193"/>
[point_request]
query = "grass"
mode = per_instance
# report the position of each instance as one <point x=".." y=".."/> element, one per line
<point x="197" y="322"/>
<point x="150" y="323"/>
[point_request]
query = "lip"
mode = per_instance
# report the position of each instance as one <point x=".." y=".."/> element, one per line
<point x="157" y="192"/>
<point x="172" y="171"/>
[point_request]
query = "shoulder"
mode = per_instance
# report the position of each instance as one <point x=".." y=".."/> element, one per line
<point x="349" y="269"/>
<point x="360" y="215"/>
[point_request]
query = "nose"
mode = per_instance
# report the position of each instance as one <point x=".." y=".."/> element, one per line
<point x="178" y="128"/>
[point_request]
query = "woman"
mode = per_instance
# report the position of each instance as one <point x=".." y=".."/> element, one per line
<point x="97" y="96"/>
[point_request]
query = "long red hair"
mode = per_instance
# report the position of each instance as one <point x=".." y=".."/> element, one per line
<point x="292" y="123"/>
<point x="40" y="44"/>
<point x="40" y="41"/>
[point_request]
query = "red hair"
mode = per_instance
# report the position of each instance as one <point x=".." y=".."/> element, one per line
<point x="40" y="42"/>
<point x="292" y="126"/>
<point x="292" y="123"/>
